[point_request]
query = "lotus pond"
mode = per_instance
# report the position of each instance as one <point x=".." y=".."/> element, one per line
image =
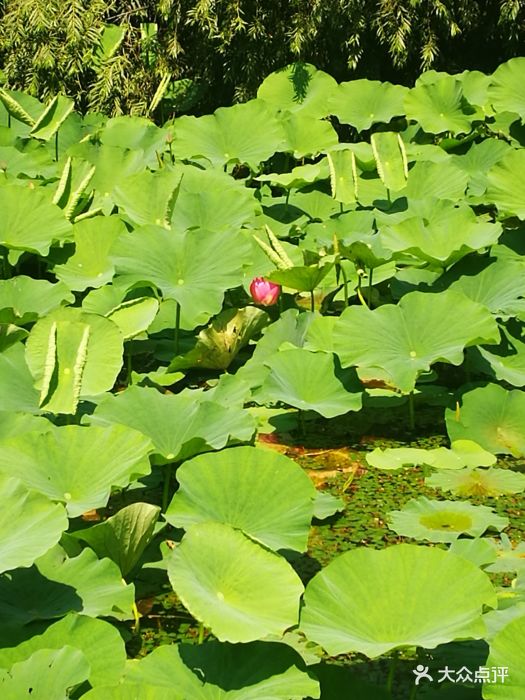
<point x="262" y="420"/>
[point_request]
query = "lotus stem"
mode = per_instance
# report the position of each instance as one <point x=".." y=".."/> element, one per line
<point x="136" y="617"/>
<point x="56" y="145"/>
<point x="201" y="632"/>
<point x="345" y="284"/>
<point x="411" y="413"/>
<point x="413" y="693"/>
<point x="370" y="277"/>
<point x="391" y="672"/>
<point x="177" y="328"/>
<point x="312" y="300"/>
<point x="166" y="488"/>
<point x="358" y="290"/>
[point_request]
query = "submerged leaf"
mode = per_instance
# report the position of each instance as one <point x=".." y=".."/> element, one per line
<point x="479" y="482"/>
<point x="443" y="521"/>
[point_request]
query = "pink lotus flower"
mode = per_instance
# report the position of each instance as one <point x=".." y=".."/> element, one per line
<point x="264" y="292"/>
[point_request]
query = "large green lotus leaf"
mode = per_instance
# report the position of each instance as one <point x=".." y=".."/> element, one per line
<point x="508" y="557"/>
<point x="497" y="285"/>
<point x="134" y="316"/>
<point x="506" y="184"/>
<point x="48" y="673"/>
<point x="215" y="671"/>
<point x="193" y="268"/>
<point x="326" y="505"/>
<point x="90" y="265"/>
<point x="51" y="119"/>
<point x="463" y="453"/>
<point x="244" y="133"/>
<point x="30" y="159"/>
<point x="266" y="495"/>
<point x="320" y="334"/>
<point x="123" y="536"/>
<point x="77" y="465"/>
<point x="310" y="381"/>
<point x="24" y="108"/>
<point x="507" y="653"/>
<point x="72" y="354"/>
<point x="430" y="235"/>
<point x="24" y="299"/>
<point x="362" y="103"/>
<point x="17" y="392"/>
<point x="476" y="89"/>
<point x="443" y="521"/>
<point x="99" y="641"/>
<point x="56" y="585"/>
<point x="439" y="106"/>
<point x="407" y="339"/>
<point x="303" y="278"/>
<point x="480" y="551"/>
<point x="298" y="176"/>
<point x="220" y="343"/>
<point x="112" y="165"/>
<point x="478" y="160"/>
<point x="505" y="361"/>
<point x="238" y="589"/>
<point x="493" y="417"/>
<point x="30" y="221"/>
<point x="506" y="90"/>
<point x="496" y="620"/>
<point x="104" y="300"/>
<point x="344" y="175"/>
<point x="391" y="159"/>
<point x="479" y="482"/>
<point x="133" y="691"/>
<point x="443" y="180"/>
<point x="211" y="200"/>
<point x="11" y="335"/>
<point x="372" y="601"/>
<point x="98" y="582"/>
<point x="148" y="197"/>
<point x="30" y="524"/>
<point x="12" y="424"/>
<point x="300" y="88"/>
<point x="291" y="327"/>
<point x="315" y="204"/>
<point x="307" y="136"/>
<point x="74" y="190"/>
<point x="179" y="425"/>
<point x="134" y="133"/>
<point x="349" y="227"/>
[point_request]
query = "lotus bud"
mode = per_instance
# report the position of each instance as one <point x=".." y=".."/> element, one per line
<point x="264" y="292"/>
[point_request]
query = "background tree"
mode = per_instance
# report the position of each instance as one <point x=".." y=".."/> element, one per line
<point x="194" y="55"/>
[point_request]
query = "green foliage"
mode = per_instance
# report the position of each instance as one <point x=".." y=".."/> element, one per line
<point x="165" y="56"/>
<point x="134" y="366"/>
